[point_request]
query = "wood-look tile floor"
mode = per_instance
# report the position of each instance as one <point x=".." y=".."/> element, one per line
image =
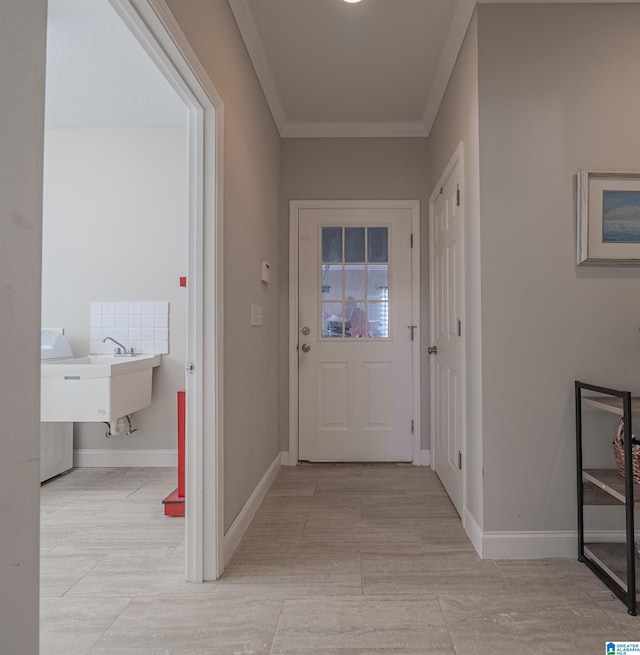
<point x="339" y="560"/>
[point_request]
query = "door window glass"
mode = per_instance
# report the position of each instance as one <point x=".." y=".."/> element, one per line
<point x="378" y="239"/>
<point x="378" y="282"/>
<point x="355" y="282"/>
<point x="332" y="319"/>
<point x="354" y="244"/>
<point x="331" y="282"/>
<point x="332" y="244"/>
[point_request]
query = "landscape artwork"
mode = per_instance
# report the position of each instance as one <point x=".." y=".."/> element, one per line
<point x="620" y="216"/>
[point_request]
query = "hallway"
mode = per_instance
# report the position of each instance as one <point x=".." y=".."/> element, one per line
<point x="340" y="560"/>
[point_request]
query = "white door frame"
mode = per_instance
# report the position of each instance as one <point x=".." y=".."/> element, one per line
<point x="457" y="159"/>
<point x="153" y="24"/>
<point x="294" y="222"/>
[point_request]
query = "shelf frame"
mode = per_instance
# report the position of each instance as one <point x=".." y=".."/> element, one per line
<point x="620" y="403"/>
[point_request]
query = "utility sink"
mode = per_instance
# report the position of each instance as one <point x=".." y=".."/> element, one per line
<point x="96" y="388"/>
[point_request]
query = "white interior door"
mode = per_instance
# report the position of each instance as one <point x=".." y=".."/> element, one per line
<point x="446" y="336"/>
<point x="354" y="335"/>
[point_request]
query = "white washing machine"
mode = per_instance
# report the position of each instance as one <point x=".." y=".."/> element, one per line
<point x="56" y="439"/>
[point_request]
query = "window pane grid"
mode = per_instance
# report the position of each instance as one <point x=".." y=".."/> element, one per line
<point x="355" y="282"/>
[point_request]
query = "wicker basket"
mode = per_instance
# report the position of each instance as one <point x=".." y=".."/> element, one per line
<point x="618" y="451"/>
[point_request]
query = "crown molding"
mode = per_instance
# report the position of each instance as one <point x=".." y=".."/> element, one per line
<point x="447" y="61"/>
<point x="251" y="37"/>
<point x="354" y="129"/>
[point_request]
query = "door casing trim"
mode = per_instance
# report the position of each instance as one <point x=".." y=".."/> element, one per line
<point x="294" y="223"/>
<point x="157" y="31"/>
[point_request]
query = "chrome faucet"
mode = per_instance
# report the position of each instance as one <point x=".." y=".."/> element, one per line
<point x="121" y="351"/>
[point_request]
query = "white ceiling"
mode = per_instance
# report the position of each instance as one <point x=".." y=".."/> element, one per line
<point x="376" y="68"/>
<point x="98" y="75"/>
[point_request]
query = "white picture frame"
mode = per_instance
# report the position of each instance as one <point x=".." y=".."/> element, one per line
<point x="608" y="218"/>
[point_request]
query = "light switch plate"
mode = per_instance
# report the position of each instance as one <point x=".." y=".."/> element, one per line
<point x="256" y="315"/>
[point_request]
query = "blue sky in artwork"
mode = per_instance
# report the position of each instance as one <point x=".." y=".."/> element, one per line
<point x="621" y="216"/>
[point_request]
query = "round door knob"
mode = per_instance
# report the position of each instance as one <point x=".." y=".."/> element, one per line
<point x="432" y="350"/>
<point x="306" y="347"/>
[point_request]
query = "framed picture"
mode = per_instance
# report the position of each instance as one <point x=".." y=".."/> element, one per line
<point x="608" y="218"/>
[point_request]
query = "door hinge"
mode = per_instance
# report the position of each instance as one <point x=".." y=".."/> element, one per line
<point x="460" y="460"/>
<point x="412" y="240"/>
<point x="413" y="329"/>
<point x="459" y="328"/>
<point x="190" y="368"/>
<point x="413" y="425"/>
<point x="458" y="195"/>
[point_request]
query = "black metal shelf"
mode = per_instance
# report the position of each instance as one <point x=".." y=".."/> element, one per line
<point x="614" y="563"/>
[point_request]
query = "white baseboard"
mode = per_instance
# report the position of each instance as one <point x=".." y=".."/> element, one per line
<point x="529" y="545"/>
<point x="423" y="458"/>
<point x="533" y="545"/>
<point x="241" y="523"/>
<point x="103" y="458"/>
<point x="473" y="530"/>
<point x="284" y="458"/>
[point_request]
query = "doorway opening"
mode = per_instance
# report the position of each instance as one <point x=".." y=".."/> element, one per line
<point x="157" y="34"/>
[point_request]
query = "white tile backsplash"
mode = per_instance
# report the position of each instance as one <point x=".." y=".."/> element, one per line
<point x="148" y="334"/>
<point x="141" y="325"/>
<point x="148" y="346"/>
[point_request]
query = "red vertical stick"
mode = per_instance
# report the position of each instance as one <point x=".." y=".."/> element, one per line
<point x="181" y="438"/>
<point x="174" y="502"/>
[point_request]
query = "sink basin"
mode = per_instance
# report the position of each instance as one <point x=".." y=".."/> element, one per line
<point x="96" y="388"/>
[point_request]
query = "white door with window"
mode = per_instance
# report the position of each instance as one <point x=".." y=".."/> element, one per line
<point x="354" y="344"/>
<point x="446" y="350"/>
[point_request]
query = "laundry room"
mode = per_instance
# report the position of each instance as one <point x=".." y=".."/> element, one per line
<point x="115" y="242"/>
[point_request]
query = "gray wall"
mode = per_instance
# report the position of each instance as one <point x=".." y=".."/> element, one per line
<point x="350" y="169"/>
<point x="251" y="234"/>
<point x="457" y="121"/>
<point x="116" y="211"/>
<point x="558" y="92"/>
<point x="22" y="64"/>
